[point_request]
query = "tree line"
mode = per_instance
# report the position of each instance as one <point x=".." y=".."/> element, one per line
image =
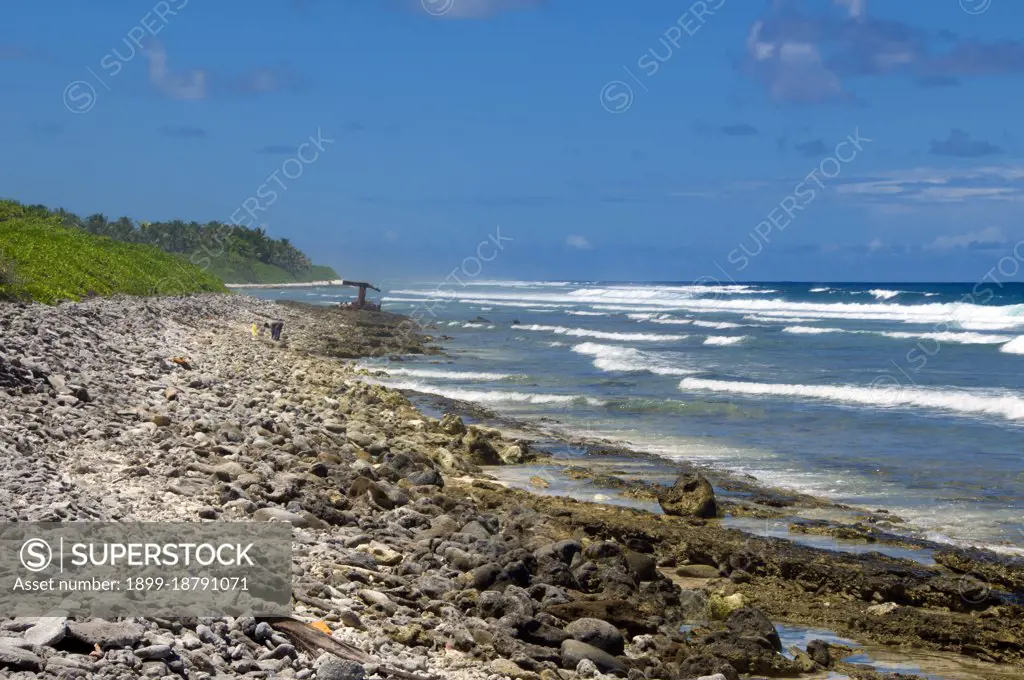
<point x="198" y="242"/>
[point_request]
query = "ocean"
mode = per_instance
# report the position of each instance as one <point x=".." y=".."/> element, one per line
<point x="901" y="397"/>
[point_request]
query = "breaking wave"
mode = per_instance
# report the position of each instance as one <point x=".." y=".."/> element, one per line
<point x="1008" y="406"/>
<point x="440" y="374"/>
<point x="725" y="340"/>
<point x="964" y="338"/>
<point x="490" y="396"/>
<point x="602" y="335"/>
<point x="1015" y="346"/>
<point x="612" y="358"/>
<point x="718" y="325"/>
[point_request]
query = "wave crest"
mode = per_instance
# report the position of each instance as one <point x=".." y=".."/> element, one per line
<point x="879" y="395"/>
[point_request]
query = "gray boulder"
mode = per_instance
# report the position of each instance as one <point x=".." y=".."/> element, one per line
<point x="106" y="634"/>
<point x="752" y="622"/>
<point x="574" y="651"/>
<point x="597" y="633"/>
<point x="47" y="632"/>
<point x="19" y="659"/>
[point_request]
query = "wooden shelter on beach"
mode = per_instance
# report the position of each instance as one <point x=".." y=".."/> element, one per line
<point x="360" y="302"/>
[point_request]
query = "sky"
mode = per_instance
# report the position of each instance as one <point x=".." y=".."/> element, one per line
<point x="815" y="140"/>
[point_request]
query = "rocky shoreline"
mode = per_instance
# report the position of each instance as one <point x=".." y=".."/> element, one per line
<point x="404" y="550"/>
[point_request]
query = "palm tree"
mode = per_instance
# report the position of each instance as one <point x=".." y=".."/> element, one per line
<point x="96" y="223"/>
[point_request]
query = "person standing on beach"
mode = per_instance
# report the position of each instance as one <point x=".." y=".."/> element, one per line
<point x="275" y="330"/>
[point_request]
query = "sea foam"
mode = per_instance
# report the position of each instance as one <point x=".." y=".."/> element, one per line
<point x="602" y="335"/>
<point x="490" y="396"/>
<point x="1008" y="406"/>
<point x="439" y="374"/>
<point x="613" y="358"/>
<point x="725" y="340"/>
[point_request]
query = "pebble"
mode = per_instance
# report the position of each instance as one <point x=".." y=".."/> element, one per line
<point x="330" y="667"/>
<point x="154" y="652"/>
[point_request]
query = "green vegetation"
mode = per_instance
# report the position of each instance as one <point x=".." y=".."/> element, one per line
<point x="234" y="253"/>
<point x="43" y="260"/>
<point x="56" y="255"/>
<point x="236" y="269"/>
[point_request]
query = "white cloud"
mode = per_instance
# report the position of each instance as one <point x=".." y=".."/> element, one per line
<point x="577" y="241"/>
<point x="939" y="185"/>
<point x="791" y="67"/>
<point x="875" y="244"/>
<point x="187" y="86"/>
<point x="962" y="193"/>
<point x="987" y="235"/>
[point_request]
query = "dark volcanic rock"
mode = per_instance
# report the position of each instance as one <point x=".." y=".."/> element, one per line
<point x="748" y="653"/>
<point x="597" y="633"/>
<point x="426" y="478"/>
<point x="818" y="650"/>
<point x="574" y="651"/>
<point x="690" y="496"/>
<point x="702" y="665"/>
<point x="540" y="633"/>
<point x="563" y="551"/>
<point x="752" y="622"/>
<point x="644" y="566"/>
<point x="620" y="613"/>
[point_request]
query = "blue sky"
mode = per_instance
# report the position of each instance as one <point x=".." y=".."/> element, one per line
<point x="646" y="141"/>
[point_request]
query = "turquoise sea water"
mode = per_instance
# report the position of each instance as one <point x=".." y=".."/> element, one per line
<point x="903" y="397"/>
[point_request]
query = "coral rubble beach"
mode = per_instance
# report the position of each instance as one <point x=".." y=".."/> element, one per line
<point x="404" y="546"/>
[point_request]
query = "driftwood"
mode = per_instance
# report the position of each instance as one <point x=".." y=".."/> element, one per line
<point x="313" y="641"/>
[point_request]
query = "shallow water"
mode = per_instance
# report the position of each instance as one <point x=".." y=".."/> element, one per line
<point x="548" y="480"/>
<point x="779" y="528"/>
<point x="933" y="666"/>
<point x="887" y="396"/>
